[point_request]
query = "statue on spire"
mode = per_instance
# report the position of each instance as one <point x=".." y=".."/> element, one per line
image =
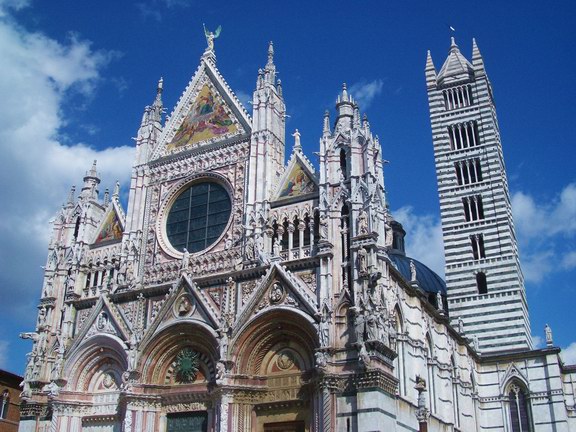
<point x="210" y="36"/>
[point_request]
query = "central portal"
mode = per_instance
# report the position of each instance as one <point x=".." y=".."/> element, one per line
<point x="188" y="422"/>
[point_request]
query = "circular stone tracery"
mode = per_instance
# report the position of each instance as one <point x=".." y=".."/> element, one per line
<point x="198" y="216"/>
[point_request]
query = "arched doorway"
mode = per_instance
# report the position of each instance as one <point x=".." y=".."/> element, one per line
<point x="275" y="353"/>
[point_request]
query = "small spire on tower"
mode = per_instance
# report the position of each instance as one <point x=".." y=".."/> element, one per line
<point x="344" y="93"/>
<point x="271" y="53"/>
<point x="93" y="172"/>
<point x="70" y="201"/>
<point x="106" y="197"/>
<point x="326" y="128"/>
<point x="477" y="60"/>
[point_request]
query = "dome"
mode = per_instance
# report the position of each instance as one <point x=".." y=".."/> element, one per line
<point x="427" y="280"/>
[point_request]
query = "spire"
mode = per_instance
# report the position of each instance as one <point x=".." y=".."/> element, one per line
<point x="430" y="70"/>
<point x="477" y="60"/>
<point x="326" y="128"/>
<point x="91" y="181"/>
<point x="270" y="54"/>
<point x="159" y="89"/>
<point x="70" y="201"/>
<point x="356" y="116"/>
<point x="343" y="104"/>
<point x="106" y="197"/>
<point x="455" y="67"/>
<point x="270" y="69"/>
<point x="344" y="93"/>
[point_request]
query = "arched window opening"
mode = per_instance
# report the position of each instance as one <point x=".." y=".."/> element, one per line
<point x="343" y="164"/>
<point x="481" y="283"/>
<point x="519" y="409"/>
<point x="77" y="228"/>
<point x="478" y="250"/>
<point x="398" y="345"/>
<point x="296" y="240"/>
<point x="307" y="231"/>
<point x="4" y="404"/>
<point x="285" y="235"/>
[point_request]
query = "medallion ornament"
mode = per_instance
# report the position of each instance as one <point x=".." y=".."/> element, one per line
<point x="186" y="366"/>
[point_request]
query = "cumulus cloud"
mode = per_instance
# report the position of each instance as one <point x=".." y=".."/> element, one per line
<point x="37" y="168"/>
<point x="364" y="92"/>
<point x="568" y="354"/>
<point x="245" y="99"/>
<point x="538" y="341"/>
<point x="423" y="237"/>
<point x="546" y="231"/>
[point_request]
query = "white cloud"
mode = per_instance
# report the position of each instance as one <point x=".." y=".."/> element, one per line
<point x="423" y="238"/>
<point x="364" y="92"/>
<point x="545" y="219"/>
<point x="245" y="99"/>
<point x="538" y="341"/>
<point x="37" y="77"/>
<point x="568" y="354"/>
<point x="12" y="4"/>
<point x="3" y="353"/>
<point x="546" y="230"/>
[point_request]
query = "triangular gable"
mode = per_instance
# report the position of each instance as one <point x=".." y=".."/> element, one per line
<point x="298" y="179"/>
<point x="111" y="228"/>
<point x="207" y="112"/>
<point x="512" y="373"/>
<point x="104" y="319"/>
<point x="290" y="291"/>
<point x="185" y="302"/>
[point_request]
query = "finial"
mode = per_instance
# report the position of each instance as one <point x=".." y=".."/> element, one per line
<point x="297" y="145"/>
<point x="271" y="52"/>
<point x="106" y="197"/>
<point x="160" y="85"/>
<point x="279" y="87"/>
<point x="93" y="170"/>
<point x="116" y="189"/>
<point x="453" y="42"/>
<point x="71" y="195"/>
<point x="344" y="93"/>
<point x="365" y="122"/>
<point x="326" y="128"/>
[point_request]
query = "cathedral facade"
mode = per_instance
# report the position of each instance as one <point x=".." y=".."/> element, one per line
<point x="240" y="292"/>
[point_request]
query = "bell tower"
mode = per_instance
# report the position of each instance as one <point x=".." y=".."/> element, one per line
<point x="483" y="274"/>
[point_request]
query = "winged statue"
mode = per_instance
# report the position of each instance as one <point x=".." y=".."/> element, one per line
<point x="210" y="36"/>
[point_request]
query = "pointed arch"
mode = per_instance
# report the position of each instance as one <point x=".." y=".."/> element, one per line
<point x="159" y="353"/>
<point x="517" y="397"/>
<point x="100" y="354"/>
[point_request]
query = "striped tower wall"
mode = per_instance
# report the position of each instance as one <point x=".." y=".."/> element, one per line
<point x="470" y="168"/>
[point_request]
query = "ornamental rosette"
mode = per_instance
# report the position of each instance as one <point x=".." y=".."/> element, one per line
<point x="186" y="366"/>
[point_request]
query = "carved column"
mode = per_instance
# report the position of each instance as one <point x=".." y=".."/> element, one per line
<point x="301" y="228"/>
<point x="291" y="229"/>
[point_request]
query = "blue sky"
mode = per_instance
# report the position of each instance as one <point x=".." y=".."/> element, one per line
<point x="75" y="78"/>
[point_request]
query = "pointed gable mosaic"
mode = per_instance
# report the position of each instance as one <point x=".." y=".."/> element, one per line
<point x="297" y="182"/>
<point x="208" y="118"/>
<point x="111" y="229"/>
